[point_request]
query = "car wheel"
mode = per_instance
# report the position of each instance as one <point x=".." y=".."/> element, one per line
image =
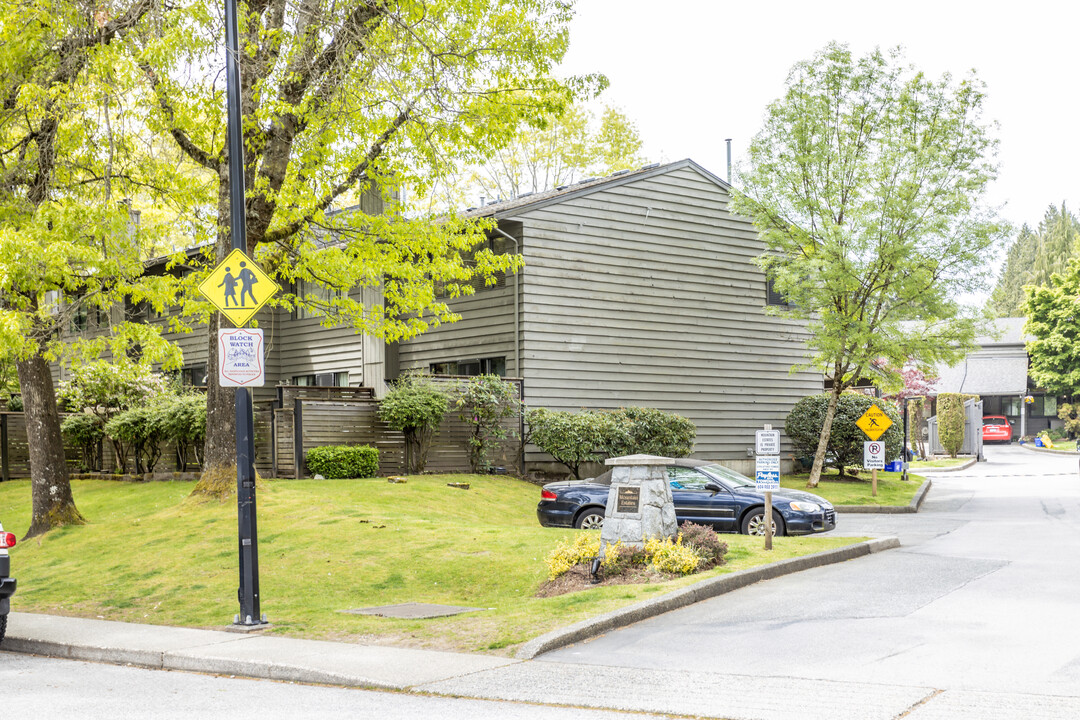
<point x="753" y="523"/>
<point x="591" y="519"/>
<point x="3" y="626"/>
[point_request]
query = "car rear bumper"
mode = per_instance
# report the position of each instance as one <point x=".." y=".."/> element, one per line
<point x="555" y="517"/>
<point x="7" y="588"/>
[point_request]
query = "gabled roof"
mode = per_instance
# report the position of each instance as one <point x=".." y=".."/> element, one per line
<point x="533" y="201"/>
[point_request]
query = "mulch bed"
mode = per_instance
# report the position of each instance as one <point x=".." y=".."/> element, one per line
<point x="579" y="578"/>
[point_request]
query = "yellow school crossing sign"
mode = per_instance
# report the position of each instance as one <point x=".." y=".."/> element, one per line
<point x="238" y="288"/>
<point x="874" y="422"/>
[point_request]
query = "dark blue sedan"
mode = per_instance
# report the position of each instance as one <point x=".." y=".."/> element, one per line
<point x="704" y="493"/>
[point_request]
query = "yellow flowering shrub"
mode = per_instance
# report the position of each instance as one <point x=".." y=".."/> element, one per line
<point x="566" y="555"/>
<point x="671" y="556"/>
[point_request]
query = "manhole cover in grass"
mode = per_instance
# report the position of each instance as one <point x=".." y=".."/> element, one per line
<point x="413" y="610"/>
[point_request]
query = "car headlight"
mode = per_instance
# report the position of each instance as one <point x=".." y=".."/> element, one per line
<point x="804" y="506"/>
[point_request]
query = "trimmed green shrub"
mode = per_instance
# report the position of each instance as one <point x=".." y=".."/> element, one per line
<point x="416" y="406"/>
<point x="648" y="431"/>
<point x="185" y="423"/>
<point x="950" y="416"/>
<point x="845" y="449"/>
<point x="573" y="439"/>
<point x="143" y="429"/>
<point x="336" y="462"/>
<point x="15" y="403"/>
<point x="86" y="432"/>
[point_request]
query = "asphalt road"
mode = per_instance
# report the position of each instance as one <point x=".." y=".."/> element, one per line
<point x="52" y="688"/>
<point x="976" y="615"/>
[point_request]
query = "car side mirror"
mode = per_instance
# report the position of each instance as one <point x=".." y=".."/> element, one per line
<point x="713" y="487"/>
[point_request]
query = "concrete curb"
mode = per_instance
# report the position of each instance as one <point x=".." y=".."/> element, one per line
<point x="697" y="592"/>
<point x="955" y="468"/>
<point x="1031" y="448"/>
<point x="911" y="507"/>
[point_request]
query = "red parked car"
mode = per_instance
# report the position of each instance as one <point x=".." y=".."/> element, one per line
<point x="996" y="428"/>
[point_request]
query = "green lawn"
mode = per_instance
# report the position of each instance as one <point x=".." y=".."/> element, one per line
<point x="891" y="489"/>
<point x="938" y="463"/>
<point x="149" y="554"/>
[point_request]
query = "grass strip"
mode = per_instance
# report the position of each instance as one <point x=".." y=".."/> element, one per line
<point x="150" y="554"/>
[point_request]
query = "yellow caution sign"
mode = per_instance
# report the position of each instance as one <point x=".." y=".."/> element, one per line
<point x="238" y="287"/>
<point x="874" y="422"/>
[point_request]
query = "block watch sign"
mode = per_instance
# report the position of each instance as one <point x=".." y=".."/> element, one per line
<point x="240" y="358"/>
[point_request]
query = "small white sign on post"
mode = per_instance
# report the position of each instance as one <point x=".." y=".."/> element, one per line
<point x="767" y="472"/>
<point x="240" y="358"/>
<point x="874" y="455"/>
<point x="767" y="442"/>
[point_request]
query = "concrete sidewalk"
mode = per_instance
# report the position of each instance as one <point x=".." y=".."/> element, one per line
<point x="243" y="654"/>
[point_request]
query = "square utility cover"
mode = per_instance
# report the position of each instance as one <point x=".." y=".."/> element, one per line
<point x="413" y="610"/>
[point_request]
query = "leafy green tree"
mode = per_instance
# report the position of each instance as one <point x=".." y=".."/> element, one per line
<point x="1052" y="314"/>
<point x="416" y="406"/>
<point x="69" y="243"/>
<point x="865" y="186"/>
<point x="567" y="148"/>
<point x="648" y="431"/>
<point x="345" y="102"/>
<point x="1034" y="257"/>
<point x="572" y="439"/>
<point x="485" y="402"/>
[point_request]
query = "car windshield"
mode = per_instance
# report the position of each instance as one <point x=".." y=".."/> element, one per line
<point x="995" y="421"/>
<point x="729" y="476"/>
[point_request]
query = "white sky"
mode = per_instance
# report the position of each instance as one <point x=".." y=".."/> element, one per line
<point x="691" y="73"/>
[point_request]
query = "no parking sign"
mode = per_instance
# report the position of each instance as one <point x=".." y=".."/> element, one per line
<point x="874" y="455"/>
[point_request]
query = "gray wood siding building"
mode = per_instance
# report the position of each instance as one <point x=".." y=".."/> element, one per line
<point x="638" y="289"/>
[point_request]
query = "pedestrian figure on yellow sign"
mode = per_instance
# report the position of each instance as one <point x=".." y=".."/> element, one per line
<point x="229" y="282"/>
<point x="248" y="280"/>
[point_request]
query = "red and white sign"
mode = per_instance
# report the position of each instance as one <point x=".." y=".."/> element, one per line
<point x="874" y="455"/>
<point x="240" y="358"/>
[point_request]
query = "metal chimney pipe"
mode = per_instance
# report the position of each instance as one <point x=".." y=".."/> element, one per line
<point x="728" y="141"/>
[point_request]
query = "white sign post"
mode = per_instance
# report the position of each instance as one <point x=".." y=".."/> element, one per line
<point x="873" y="460"/>
<point x="767" y="472"/>
<point x="240" y="358"/>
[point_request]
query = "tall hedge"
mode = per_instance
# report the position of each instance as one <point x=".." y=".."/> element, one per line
<point x="845" y="447"/>
<point x="950" y="417"/>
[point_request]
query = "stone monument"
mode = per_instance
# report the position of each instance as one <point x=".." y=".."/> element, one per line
<point x="639" y="504"/>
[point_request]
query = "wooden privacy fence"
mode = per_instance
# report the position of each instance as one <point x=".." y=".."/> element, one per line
<point x="299" y="419"/>
<point x="307" y="417"/>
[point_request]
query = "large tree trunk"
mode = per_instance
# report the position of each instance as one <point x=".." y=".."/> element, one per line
<point x="53" y="504"/>
<point x="823" y="441"/>
<point x="218" y="477"/>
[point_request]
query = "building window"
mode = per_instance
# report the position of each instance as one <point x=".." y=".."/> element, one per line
<point x="1011" y="406"/>
<point x="478" y="366"/>
<point x="194" y="376"/>
<point x="1044" y="406"/>
<point x="86" y="319"/>
<point x="772" y="297"/>
<point x="330" y="379"/>
<point x="313" y="293"/>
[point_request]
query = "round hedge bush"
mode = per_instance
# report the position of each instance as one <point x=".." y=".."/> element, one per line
<point x="845" y="447"/>
<point x="336" y="462"/>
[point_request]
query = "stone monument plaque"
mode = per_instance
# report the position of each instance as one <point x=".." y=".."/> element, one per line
<point x="639" y="503"/>
<point x="629" y="500"/>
